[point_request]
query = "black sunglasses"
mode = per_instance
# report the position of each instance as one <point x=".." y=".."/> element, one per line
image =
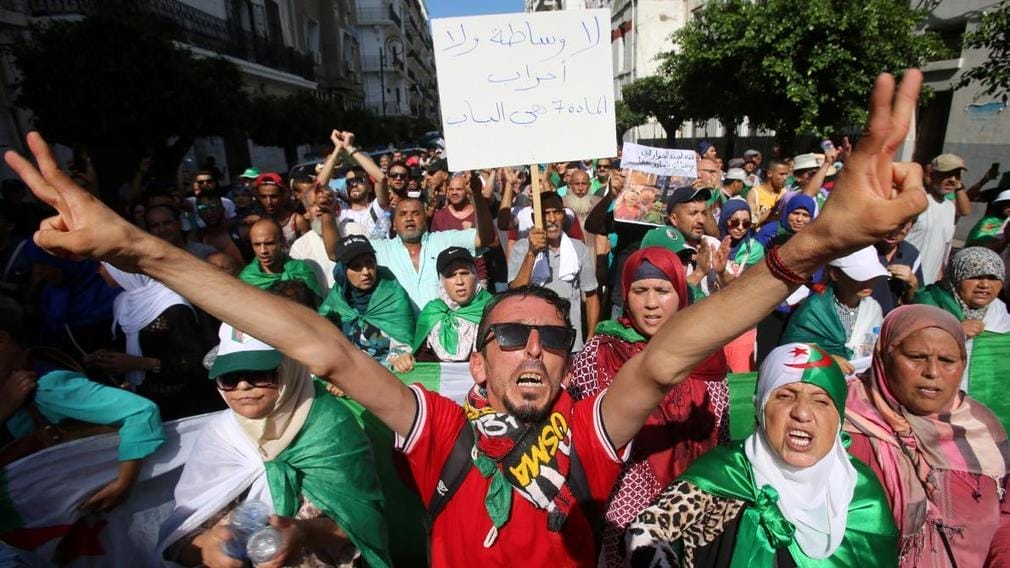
<point x="398" y="175"/>
<point x="258" y="379"/>
<point x="512" y="336"/>
<point x="204" y="181"/>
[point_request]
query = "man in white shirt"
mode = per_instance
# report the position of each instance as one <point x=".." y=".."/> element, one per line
<point x="933" y="230"/>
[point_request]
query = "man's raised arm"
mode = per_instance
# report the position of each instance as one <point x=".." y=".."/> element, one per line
<point x="873" y="197"/>
<point x="84" y="227"/>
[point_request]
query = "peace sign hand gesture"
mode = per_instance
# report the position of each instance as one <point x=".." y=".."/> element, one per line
<point x="83" y="227"/>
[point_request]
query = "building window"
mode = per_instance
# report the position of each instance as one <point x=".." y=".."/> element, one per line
<point x="274" y="30"/>
<point x="311" y="36"/>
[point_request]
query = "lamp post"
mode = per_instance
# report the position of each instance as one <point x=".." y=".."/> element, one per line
<point x="394" y="44"/>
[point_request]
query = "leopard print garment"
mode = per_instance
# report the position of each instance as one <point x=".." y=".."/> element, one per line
<point x="681" y="512"/>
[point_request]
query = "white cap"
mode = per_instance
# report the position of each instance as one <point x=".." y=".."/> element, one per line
<point x="736" y="174"/>
<point x="805" y="162"/>
<point x="1002" y="196"/>
<point x="861" y="266"/>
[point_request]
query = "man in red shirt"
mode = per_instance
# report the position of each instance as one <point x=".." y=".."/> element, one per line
<point x="459" y="214"/>
<point x="515" y="504"/>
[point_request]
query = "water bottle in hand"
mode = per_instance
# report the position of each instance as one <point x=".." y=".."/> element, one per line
<point x="246" y="519"/>
<point x="264" y="545"/>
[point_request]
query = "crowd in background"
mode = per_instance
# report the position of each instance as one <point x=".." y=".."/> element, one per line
<point x="405" y="257"/>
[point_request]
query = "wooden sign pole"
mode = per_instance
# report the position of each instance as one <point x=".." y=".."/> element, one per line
<point x="538" y="214"/>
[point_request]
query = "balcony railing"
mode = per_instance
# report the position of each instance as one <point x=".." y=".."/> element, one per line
<point x="199" y="29"/>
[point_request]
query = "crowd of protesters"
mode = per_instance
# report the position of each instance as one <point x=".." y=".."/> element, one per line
<point x="597" y="429"/>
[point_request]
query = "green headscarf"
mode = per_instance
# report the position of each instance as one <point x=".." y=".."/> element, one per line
<point x="388" y="308"/>
<point x="437" y="311"/>
<point x="294" y="269"/>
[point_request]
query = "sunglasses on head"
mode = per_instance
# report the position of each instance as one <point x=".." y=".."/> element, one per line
<point x="734" y="223"/>
<point x="257" y="379"/>
<point x="512" y="336"/>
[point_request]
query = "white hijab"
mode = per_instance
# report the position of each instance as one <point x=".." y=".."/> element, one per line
<point x="814" y="499"/>
<point x="143" y="299"/>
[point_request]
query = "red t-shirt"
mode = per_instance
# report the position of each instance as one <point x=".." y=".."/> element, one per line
<point x="461" y="528"/>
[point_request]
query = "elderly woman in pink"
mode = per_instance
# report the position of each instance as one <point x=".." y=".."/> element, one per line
<point x="941" y="456"/>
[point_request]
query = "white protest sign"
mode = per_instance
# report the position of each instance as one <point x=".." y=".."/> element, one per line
<point x="525" y="88"/>
<point x="650" y="177"/>
<point x="660" y="161"/>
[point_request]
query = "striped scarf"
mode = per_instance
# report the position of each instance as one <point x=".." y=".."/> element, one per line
<point x="532" y="459"/>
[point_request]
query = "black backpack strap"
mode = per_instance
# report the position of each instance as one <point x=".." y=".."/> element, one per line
<point x="456" y="467"/>
<point x="579" y="485"/>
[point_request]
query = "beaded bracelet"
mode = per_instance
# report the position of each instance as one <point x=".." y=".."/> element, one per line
<point x="780" y="271"/>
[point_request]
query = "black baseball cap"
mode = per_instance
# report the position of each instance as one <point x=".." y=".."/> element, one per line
<point x="686" y="194"/>
<point x="350" y="247"/>
<point x="450" y="256"/>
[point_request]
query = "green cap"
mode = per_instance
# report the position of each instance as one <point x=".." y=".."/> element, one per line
<point x="668" y="237"/>
<point x="239" y="351"/>
<point x="251" y="173"/>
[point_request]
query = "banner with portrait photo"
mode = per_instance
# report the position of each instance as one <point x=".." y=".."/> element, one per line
<point x="650" y="176"/>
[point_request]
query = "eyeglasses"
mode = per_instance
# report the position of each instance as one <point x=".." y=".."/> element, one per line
<point x="734" y="223"/>
<point x="513" y="336"/>
<point x="398" y="175"/>
<point x="207" y="181"/>
<point x="257" y="379"/>
<point x="208" y="207"/>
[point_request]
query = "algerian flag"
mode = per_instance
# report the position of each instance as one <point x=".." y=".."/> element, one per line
<point x="39" y="496"/>
<point x="405" y="514"/>
<point x="987" y="382"/>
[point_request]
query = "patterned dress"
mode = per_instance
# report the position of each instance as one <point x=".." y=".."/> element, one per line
<point x="692" y="419"/>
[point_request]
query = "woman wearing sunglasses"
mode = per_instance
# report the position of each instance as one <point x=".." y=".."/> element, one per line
<point x="288" y="444"/>
<point x="687" y="422"/>
<point x="744" y="251"/>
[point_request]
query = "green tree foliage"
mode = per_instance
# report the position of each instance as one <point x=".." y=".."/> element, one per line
<point x="659" y="96"/>
<point x="115" y="83"/>
<point x="993" y="33"/>
<point x="795" y="66"/>
<point x="303" y="118"/>
<point x="626" y="118"/>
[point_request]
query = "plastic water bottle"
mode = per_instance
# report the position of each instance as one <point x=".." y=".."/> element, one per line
<point x="246" y="519"/>
<point x="870" y="341"/>
<point x="264" y="545"/>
